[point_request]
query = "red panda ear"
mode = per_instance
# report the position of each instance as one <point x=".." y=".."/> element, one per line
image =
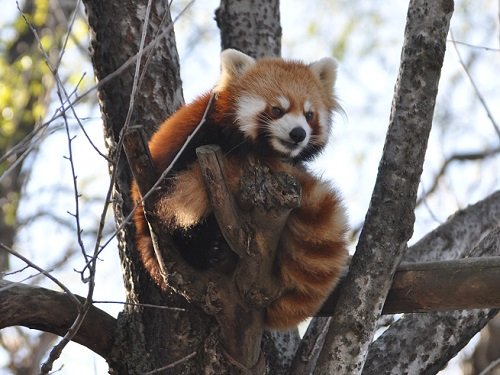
<point x="233" y="65"/>
<point x="325" y="71"/>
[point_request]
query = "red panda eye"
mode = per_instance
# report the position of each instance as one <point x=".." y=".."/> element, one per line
<point x="277" y="112"/>
<point x="309" y="116"/>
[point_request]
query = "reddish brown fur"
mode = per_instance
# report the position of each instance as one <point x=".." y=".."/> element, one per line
<point x="312" y="251"/>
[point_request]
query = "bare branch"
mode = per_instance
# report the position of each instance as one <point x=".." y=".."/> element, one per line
<point x="431" y="339"/>
<point x="461" y="232"/>
<point x="51" y="311"/>
<point x="490" y="49"/>
<point x="141" y="305"/>
<point x="468" y="156"/>
<point x="171" y="365"/>
<point x="476" y="89"/>
<point x="44" y="272"/>
<point x="310" y="346"/>
<point x="470" y="283"/>
<point x="493" y="365"/>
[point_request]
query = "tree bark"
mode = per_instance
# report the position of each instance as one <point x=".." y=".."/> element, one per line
<point x="146" y="337"/>
<point x="389" y="222"/>
<point x="431" y="340"/>
<point x="50" y="311"/>
<point x="253" y="27"/>
<point x="459" y="233"/>
<point x="451" y="240"/>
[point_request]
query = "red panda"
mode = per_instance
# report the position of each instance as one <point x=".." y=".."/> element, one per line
<point x="279" y="111"/>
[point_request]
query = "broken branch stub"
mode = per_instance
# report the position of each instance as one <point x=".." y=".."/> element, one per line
<point x="252" y="229"/>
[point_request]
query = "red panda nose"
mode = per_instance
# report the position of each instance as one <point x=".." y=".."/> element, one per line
<point x="297" y="134"/>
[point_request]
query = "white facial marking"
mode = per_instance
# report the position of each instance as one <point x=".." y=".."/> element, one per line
<point x="307" y="106"/>
<point x="284" y="102"/>
<point x="280" y="134"/>
<point x="247" y="110"/>
<point x="324" y="125"/>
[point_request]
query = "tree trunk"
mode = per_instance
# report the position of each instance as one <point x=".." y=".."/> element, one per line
<point x="146" y="338"/>
<point x="390" y="218"/>
<point x="151" y="338"/>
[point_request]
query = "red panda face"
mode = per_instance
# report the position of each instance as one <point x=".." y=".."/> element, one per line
<point x="283" y="107"/>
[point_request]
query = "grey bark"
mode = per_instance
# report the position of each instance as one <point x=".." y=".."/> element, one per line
<point x="253" y="27"/>
<point x="433" y="338"/>
<point x="51" y="311"/>
<point x="147" y="339"/>
<point x="389" y="222"/>
<point x="451" y="240"/>
<point x="459" y="233"/>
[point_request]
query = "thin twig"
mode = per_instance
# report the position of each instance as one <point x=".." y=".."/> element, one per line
<point x="68" y="33"/>
<point x="56" y="351"/>
<point x="467" y="156"/>
<point x="75" y="215"/>
<point x="490" y="49"/>
<point x="137" y="76"/>
<point x="161" y="307"/>
<point x="476" y="89"/>
<point x="491" y="367"/>
<point x="42" y="271"/>
<point x="173" y="364"/>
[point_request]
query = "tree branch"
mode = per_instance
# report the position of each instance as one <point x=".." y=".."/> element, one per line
<point x="390" y="218"/>
<point x="413" y="290"/>
<point x="468" y="156"/>
<point x="461" y="232"/>
<point x="51" y="311"/>
<point x="470" y="283"/>
<point x="476" y="89"/>
<point x="437" y="335"/>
